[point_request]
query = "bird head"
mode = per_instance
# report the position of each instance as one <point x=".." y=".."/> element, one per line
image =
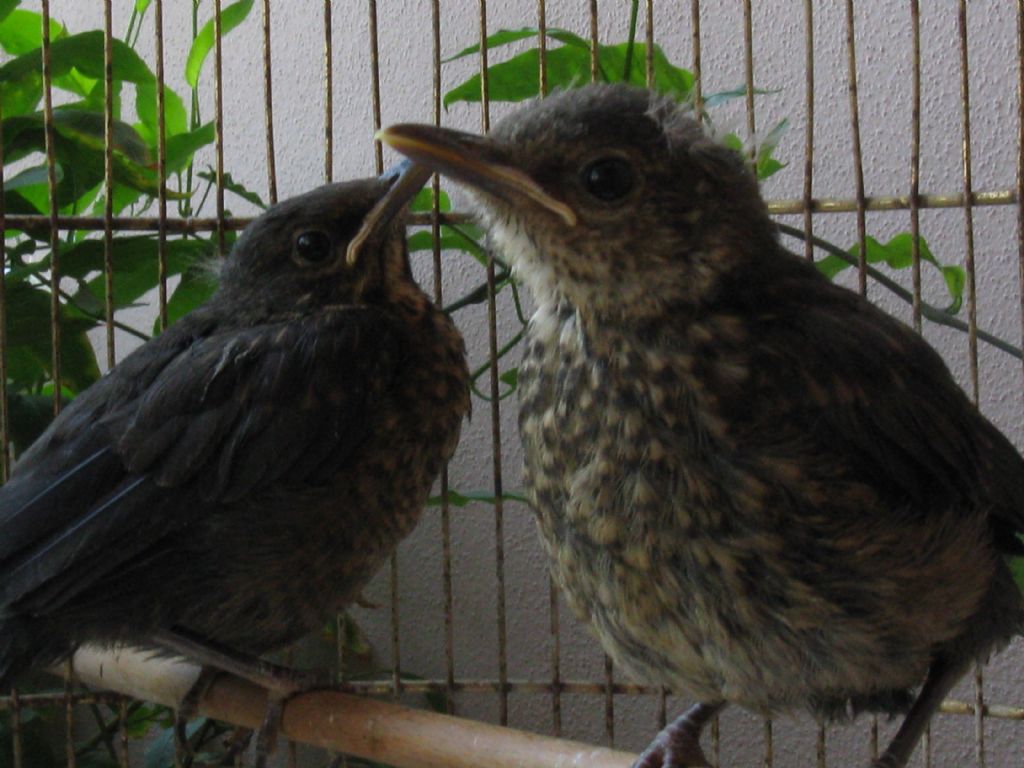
<point x="338" y="244"/>
<point x="609" y="196"/>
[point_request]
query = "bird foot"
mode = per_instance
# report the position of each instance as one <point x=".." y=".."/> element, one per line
<point x="188" y="708"/>
<point x="267" y="735"/>
<point x="293" y="683"/>
<point x="281" y="682"/>
<point x="676" y="746"/>
<point x="277" y="678"/>
<point x="666" y="752"/>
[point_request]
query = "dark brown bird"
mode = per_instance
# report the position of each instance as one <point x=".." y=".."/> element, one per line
<point x="756" y="487"/>
<point x="235" y="479"/>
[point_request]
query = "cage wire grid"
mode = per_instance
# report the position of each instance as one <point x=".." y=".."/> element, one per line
<point x="806" y="209"/>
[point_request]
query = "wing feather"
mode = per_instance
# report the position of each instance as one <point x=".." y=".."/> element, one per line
<point x="226" y="414"/>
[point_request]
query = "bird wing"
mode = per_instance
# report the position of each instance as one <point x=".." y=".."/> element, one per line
<point x="838" y="383"/>
<point x="211" y="421"/>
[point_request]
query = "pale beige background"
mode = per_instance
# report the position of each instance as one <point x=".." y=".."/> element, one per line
<point x="884" y="62"/>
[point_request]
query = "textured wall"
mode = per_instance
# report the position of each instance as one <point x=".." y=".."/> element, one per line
<point x="885" y="66"/>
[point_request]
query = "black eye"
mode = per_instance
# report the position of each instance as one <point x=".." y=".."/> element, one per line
<point x="312" y="247"/>
<point x="608" y="179"/>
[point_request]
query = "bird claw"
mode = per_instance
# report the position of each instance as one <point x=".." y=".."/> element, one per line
<point x="674" y="747"/>
<point x="283" y="683"/>
<point x="678" y="743"/>
<point x="665" y="754"/>
<point x="266" y="737"/>
<point x="886" y="761"/>
<point x="188" y="708"/>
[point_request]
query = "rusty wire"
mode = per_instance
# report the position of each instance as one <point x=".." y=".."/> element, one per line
<point x="967" y="199"/>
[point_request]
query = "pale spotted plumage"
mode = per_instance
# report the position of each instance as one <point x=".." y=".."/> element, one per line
<point x="754" y="485"/>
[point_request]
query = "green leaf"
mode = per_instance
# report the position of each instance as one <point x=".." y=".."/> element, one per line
<point x="6" y="6"/>
<point x="766" y="164"/>
<point x="196" y="286"/>
<point x="233" y="186"/>
<point x="517" y="80"/>
<point x="181" y="147"/>
<point x="354" y="639"/>
<point x="898" y="254"/>
<point x="498" y="39"/>
<point x="230" y="18"/>
<point x="510" y="377"/>
<point x="22" y="31"/>
<point x="712" y="100"/>
<point x="424" y="201"/>
<point x="1016" y="564"/>
<point x="175" y="117"/>
<point x="37" y="174"/>
<point x="79" y="150"/>
<point x="22" y="96"/>
<point x="465" y="498"/>
<point x="136" y="265"/>
<point x="568" y="66"/>
<point x="955" y="279"/>
<point x="30" y="415"/>
<point x="142" y="719"/>
<point x="506" y="36"/>
<point x="668" y="79"/>
<point x="84" y="52"/>
<point x="141" y="5"/>
<point x="30" y="342"/>
<point x="451" y="240"/>
<point x="87" y="129"/>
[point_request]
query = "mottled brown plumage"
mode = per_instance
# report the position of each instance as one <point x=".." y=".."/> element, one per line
<point x="242" y="475"/>
<point x="754" y="485"/>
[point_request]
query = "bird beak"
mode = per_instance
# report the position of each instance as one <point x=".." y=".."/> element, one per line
<point x="408" y="179"/>
<point x="469" y="159"/>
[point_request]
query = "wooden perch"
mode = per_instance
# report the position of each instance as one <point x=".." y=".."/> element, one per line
<point x="375" y="730"/>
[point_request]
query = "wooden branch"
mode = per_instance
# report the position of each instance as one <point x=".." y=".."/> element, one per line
<point x="375" y="730"/>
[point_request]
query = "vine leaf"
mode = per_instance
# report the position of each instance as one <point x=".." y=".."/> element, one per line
<point x="230" y="18"/>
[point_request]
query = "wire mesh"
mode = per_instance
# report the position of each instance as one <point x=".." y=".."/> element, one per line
<point x="462" y="691"/>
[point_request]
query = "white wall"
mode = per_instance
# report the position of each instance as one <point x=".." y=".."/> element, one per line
<point x="884" y="63"/>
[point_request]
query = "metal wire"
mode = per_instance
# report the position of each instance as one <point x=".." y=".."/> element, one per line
<point x="554" y="620"/>
<point x="5" y="417"/>
<point x="496" y="462"/>
<point x="51" y="180"/>
<point x="161" y="111"/>
<point x="218" y="120"/>
<point x="698" y="81"/>
<point x="748" y="73"/>
<point x="967" y="199"/>
<point x="915" y="162"/>
<point x="858" y="162"/>
<point x="268" y="104"/>
<point x="329" y="88"/>
<point x="108" y="177"/>
<point x="809" y="130"/>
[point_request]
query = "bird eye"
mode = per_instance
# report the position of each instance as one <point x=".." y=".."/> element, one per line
<point x="608" y="179"/>
<point x="312" y="247"/>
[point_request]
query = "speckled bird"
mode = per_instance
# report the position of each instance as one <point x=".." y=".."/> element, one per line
<point x="755" y="486"/>
<point x="237" y="478"/>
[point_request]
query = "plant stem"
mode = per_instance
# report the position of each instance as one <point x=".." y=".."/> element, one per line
<point x="70" y="300"/>
<point x="928" y="311"/>
<point x="481" y="370"/>
<point x="477" y="296"/>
